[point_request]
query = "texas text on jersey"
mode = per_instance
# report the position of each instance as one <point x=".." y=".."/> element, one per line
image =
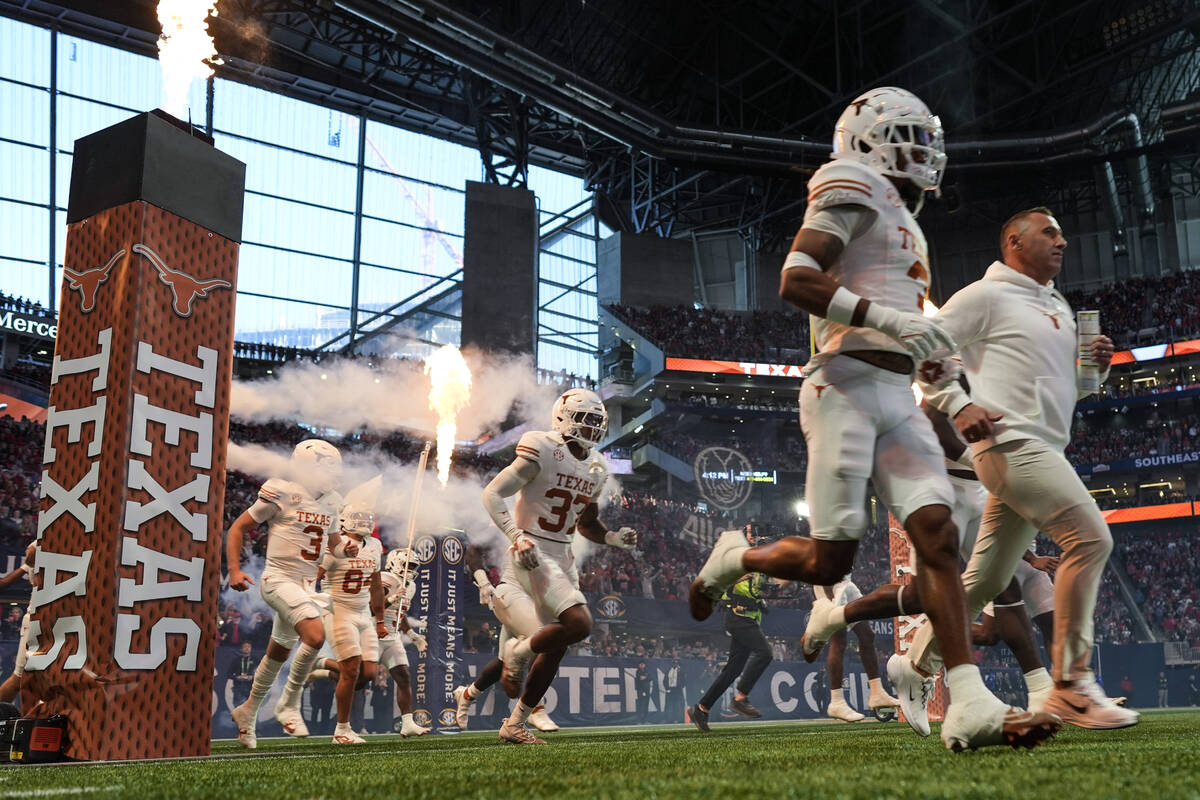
<point x="298" y="527"/>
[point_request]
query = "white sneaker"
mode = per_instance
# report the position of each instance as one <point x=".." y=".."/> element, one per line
<point x="820" y="627"/>
<point x="463" y="703"/>
<point x="720" y="571"/>
<point x="517" y="733"/>
<point x="289" y="717"/>
<point x="1085" y="705"/>
<point x="318" y="674"/>
<point x="348" y="737"/>
<point x="912" y="690"/>
<point x="986" y="720"/>
<point x="408" y="729"/>
<point x="245" y="721"/>
<point x="882" y="700"/>
<point x="843" y="712"/>
<point x="512" y="677"/>
<point x="539" y="719"/>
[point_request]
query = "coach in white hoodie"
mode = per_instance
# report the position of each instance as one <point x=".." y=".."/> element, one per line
<point x="1018" y="346"/>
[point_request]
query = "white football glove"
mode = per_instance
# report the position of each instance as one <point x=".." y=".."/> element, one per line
<point x="940" y="370"/>
<point x="525" y="551"/>
<point x="486" y="593"/>
<point x="625" y="538"/>
<point x="417" y="623"/>
<point x="418" y="640"/>
<point x="920" y="335"/>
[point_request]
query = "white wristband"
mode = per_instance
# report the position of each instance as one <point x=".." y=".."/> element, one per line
<point x="842" y="306"/>
<point x="799" y="258"/>
<point x="481" y="578"/>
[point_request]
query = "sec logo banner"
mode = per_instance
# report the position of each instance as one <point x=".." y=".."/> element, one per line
<point x="452" y="550"/>
<point x="425" y="549"/>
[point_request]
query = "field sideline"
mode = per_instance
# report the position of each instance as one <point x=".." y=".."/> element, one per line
<point x="1158" y="759"/>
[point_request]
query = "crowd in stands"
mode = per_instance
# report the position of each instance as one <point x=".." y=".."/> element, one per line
<point x="1097" y="444"/>
<point x="786" y="402"/>
<point x="776" y="336"/>
<point x="32" y="373"/>
<point x="1162" y="566"/>
<point x="23" y="305"/>
<point x="788" y="453"/>
<point x="1166" y="308"/>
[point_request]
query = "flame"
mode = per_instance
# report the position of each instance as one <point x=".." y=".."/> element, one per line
<point x="929" y="310"/>
<point x="449" y="392"/>
<point x="185" y="49"/>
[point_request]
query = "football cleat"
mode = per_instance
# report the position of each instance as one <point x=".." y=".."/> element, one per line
<point x="348" y="738"/>
<point x="517" y="733"/>
<point x="720" y="571"/>
<point x="912" y="690"/>
<point x="539" y="719"/>
<point x="986" y="720"/>
<point x="1085" y="705"/>
<point x="745" y="708"/>
<point x="699" y="718"/>
<point x="245" y="721"/>
<point x="462" y="702"/>
<point x="289" y="717"/>
<point x="843" y="712"/>
<point x="411" y="728"/>
<point x="512" y="677"/>
<point x="881" y="700"/>
<point x="820" y="627"/>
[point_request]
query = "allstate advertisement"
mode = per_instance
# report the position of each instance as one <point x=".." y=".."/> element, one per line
<point x="439" y="599"/>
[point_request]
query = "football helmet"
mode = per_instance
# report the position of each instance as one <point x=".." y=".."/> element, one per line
<point x="317" y="465"/>
<point x="394" y="563"/>
<point x="579" y="415"/>
<point x="891" y="131"/>
<point x="357" y="519"/>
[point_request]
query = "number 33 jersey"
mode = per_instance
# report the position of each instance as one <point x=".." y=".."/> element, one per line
<point x="297" y="528"/>
<point x="550" y="504"/>
<point x="348" y="580"/>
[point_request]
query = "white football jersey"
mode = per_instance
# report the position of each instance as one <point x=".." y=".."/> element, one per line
<point x="888" y="263"/>
<point x="550" y="504"/>
<point x="298" y="528"/>
<point x="396" y="601"/>
<point x="348" y="580"/>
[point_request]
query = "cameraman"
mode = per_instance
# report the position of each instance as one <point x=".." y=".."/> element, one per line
<point x="748" y="647"/>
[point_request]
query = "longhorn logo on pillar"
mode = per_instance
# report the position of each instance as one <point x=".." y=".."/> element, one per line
<point x="88" y="281"/>
<point x="184" y="288"/>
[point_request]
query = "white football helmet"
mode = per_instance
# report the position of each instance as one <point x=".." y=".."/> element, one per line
<point x="358" y="520"/>
<point x="317" y="465"/>
<point x="394" y="563"/>
<point x="885" y="123"/>
<point x="579" y="415"/>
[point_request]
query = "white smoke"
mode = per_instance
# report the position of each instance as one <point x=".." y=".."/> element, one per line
<point x="456" y="507"/>
<point x="349" y="395"/>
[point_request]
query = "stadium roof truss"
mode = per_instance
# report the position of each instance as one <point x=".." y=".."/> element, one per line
<point x="688" y="117"/>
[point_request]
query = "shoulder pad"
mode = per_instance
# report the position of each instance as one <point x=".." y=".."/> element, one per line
<point x="531" y="444"/>
<point x="279" y="492"/>
<point x="843" y="182"/>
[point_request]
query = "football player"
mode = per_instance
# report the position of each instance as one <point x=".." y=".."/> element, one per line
<point x="466" y="695"/>
<point x="879" y="701"/>
<point x="859" y="266"/>
<point x="301" y="513"/>
<point x="399" y="590"/>
<point x="558" y="477"/>
<point x="12" y="684"/>
<point x="348" y="626"/>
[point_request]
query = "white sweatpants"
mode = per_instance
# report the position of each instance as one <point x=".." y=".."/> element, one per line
<point x="1033" y="487"/>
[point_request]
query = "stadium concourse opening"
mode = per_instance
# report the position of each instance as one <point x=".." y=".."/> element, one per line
<point x="658" y="343"/>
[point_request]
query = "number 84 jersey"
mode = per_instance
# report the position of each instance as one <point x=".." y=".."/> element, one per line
<point x="348" y="580"/>
<point x="297" y="528"/>
<point x="550" y="504"/>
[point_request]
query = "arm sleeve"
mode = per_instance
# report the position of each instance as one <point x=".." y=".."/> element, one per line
<point x="508" y="482"/>
<point x="846" y="222"/>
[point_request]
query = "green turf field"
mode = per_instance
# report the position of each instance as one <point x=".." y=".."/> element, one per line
<point x="1158" y="759"/>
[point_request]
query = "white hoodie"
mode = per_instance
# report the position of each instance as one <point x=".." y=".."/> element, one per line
<point x="1018" y="346"/>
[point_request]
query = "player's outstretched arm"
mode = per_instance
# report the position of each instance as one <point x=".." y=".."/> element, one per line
<point x="507" y="483"/>
<point x="592" y="529"/>
<point x="377" y="604"/>
<point x="13" y="577"/>
<point x="477" y="569"/>
<point x="238" y="580"/>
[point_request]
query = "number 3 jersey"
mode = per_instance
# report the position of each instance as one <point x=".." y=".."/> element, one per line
<point x="348" y="580"/>
<point x="549" y="506"/>
<point x="297" y="526"/>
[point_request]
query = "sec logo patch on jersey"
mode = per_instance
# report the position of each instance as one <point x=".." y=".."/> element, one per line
<point x="558" y="454"/>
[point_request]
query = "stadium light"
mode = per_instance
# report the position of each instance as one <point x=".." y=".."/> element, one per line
<point x="801" y="509"/>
